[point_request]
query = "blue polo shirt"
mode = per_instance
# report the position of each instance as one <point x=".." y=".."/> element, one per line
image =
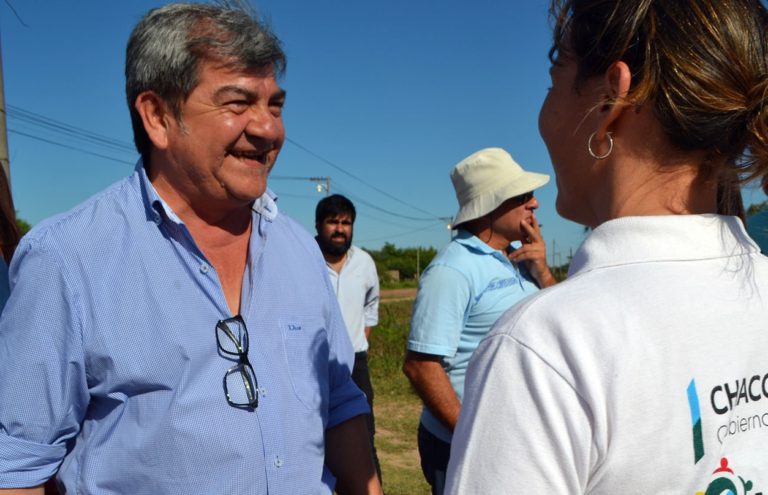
<point x="110" y="366"/>
<point x="462" y="293"/>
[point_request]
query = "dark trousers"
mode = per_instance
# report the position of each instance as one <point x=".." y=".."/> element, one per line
<point x="434" y="459"/>
<point x="362" y="379"/>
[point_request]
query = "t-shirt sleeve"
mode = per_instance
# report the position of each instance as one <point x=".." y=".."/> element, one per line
<point x="43" y="386"/>
<point x="439" y="312"/>
<point x="522" y="429"/>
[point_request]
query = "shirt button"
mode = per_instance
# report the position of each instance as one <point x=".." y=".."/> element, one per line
<point x="263" y="392"/>
<point x="157" y="219"/>
<point x="278" y="462"/>
<point x="204" y="268"/>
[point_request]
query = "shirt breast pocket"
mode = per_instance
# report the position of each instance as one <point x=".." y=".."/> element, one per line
<point x="306" y="353"/>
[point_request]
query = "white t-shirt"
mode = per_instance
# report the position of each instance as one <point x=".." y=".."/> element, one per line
<point x="645" y="372"/>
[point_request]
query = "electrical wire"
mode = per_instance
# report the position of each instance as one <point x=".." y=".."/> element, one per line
<point x="14" y="131"/>
<point x="378" y="208"/>
<point x="91" y="138"/>
<point x="68" y="130"/>
<point x="340" y="169"/>
<point x="10" y="6"/>
<point x="384" y="238"/>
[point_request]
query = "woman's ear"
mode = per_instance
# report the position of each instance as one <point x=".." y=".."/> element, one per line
<point x="154" y="115"/>
<point x="616" y="84"/>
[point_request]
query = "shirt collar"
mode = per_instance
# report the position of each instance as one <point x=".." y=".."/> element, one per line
<point x="630" y="240"/>
<point x="471" y="241"/>
<point x="156" y="207"/>
<point x="266" y="205"/>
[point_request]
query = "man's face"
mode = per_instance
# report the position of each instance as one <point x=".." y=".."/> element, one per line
<point x="510" y="215"/>
<point x="228" y="139"/>
<point x="334" y="234"/>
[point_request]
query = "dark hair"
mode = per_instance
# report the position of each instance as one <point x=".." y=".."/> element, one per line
<point x="9" y="231"/>
<point x="332" y="206"/>
<point x="166" y="47"/>
<point x="702" y="63"/>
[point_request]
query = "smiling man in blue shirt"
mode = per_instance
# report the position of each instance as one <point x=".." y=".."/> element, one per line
<point x="175" y="333"/>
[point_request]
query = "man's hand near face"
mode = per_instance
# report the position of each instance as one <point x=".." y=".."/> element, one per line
<point x="533" y="253"/>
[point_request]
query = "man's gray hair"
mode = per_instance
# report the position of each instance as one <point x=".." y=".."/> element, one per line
<point x="166" y="47"/>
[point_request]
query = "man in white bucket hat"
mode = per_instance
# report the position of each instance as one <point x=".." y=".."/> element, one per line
<point x="468" y="286"/>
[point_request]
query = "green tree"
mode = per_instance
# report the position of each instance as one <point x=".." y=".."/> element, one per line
<point x="757" y="208"/>
<point x="407" y="261"/>
<point x="23" y="225"/>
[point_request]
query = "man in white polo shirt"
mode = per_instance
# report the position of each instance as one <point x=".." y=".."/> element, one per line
<point x="467" y="287"/>
<point x="354" y="278"/>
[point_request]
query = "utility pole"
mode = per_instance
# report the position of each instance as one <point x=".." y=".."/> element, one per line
<point x="553" y="253"/>
<point x="4" y="161"/>
<point x="418" y="263"/>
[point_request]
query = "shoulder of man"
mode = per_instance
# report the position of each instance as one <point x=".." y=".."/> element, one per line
<point x="90" y="222"/>
<point x="361" y="253"/>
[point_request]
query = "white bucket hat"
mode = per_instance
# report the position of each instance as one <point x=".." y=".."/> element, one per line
<point x="487" y="178"/>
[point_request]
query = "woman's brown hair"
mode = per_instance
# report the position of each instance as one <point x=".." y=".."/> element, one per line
<point x="703" y="64"/>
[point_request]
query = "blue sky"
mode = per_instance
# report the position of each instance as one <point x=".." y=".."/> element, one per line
<point x="383" y="97"/>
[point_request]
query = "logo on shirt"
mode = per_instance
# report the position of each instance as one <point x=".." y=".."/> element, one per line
<point x="293" y="327"/>
<point x="725" y="480"/>
<point x="698" y="440"/>
<point x="497" y="285"/>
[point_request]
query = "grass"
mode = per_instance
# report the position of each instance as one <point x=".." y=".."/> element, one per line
<point x="396" y="406"/>
<point x="408" y="283"/>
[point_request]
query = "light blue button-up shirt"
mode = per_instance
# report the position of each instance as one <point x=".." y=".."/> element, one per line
<point x="110" y="363"/>
<point x="462" y="293"/>
<point x="357" y="288"/>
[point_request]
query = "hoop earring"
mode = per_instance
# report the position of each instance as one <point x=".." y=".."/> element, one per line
<point x="595" y="155"/>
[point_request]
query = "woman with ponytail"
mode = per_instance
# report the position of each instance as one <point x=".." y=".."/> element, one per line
<point x="647" y="370"/>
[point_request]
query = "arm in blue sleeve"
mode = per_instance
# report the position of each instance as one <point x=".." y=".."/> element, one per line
<point x="346" y="400"/>
<point x="440" y="310"/>
<point x="43" y="386"/>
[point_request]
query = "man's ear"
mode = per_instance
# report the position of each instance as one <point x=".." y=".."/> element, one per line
<point x="155" y="116"/>
<point x="616" y="83"/>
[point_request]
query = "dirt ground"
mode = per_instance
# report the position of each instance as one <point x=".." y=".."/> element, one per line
<point x="397" y="294"/>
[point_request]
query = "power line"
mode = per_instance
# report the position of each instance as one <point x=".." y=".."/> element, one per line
<point x="351" y="196"/>
<point x="383" y="210"/>
<point x="69" y="131"/>
<point x="384" y="238"/>
<point x="340" y="169"/>
<point x="10" y="6"/>
<point x="13" y="131"/>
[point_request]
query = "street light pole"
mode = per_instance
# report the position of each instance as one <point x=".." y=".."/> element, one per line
<point x="322" y="182"/>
